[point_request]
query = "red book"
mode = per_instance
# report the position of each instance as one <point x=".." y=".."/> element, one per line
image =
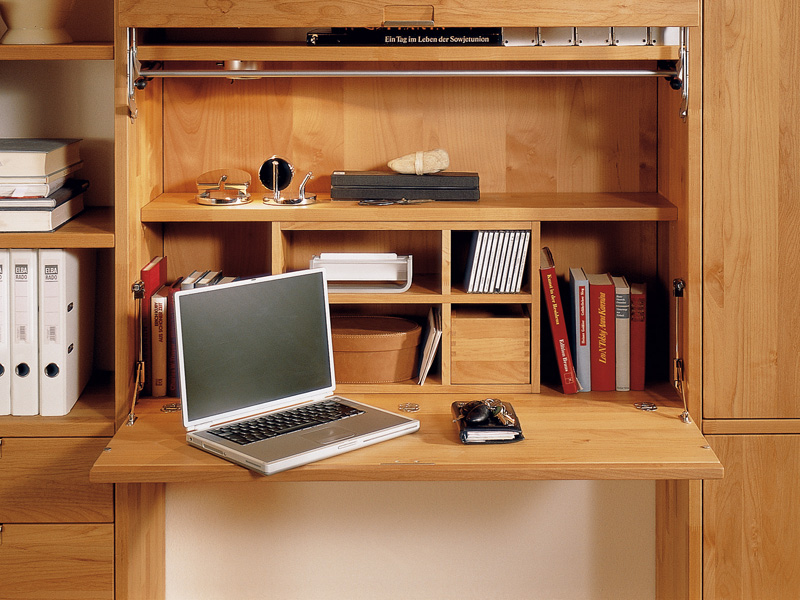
<point x="153" y="275"/>
<point x="602" y="329"/>
<point x="638" y="327"/>
<point x="555" y="312"/>
<point x="173" y="383"/>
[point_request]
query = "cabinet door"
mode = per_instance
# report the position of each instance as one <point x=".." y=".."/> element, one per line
<point x="751" y="519"/>
<point x="443" y="13"/>
<point x="54" y="562"/>
<point x="46" y="480"/>
<point x="751" y="195"/>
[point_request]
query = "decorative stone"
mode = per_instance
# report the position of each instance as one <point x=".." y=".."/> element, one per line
<point x="420" y="163"/>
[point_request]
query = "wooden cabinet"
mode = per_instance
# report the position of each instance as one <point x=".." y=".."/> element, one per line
<point x="751" y="403"/>
<point x="57" y="528"/>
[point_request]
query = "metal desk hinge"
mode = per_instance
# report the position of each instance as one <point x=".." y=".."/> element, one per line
<point x="138" y="294"/>
<point x="678" y="287"/>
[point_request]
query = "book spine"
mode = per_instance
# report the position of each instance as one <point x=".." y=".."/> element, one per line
<point x="622" y="343"/>
<point x="555" y="313"/>
<point x="158" y="330"/>
<point x="638" y="338"/>
<point x="602" y="332"/>
<point x="401" y="36"/>
<point x="580" y="329"/>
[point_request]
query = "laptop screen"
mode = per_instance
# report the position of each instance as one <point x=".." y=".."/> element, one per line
<point x="253" y="345"/>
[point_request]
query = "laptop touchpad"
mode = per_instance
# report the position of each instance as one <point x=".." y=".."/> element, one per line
<point x="329" y="435"/>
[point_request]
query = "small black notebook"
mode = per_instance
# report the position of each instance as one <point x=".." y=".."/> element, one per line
<point x="489" y="431"/>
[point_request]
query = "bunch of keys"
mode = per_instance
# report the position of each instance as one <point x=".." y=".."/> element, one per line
<point x="479" y="411"/>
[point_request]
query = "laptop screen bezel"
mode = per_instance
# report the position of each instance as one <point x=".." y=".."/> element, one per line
<point x="269" y="405"/>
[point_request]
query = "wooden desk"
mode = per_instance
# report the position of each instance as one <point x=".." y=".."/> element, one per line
<point x="585" y="436"/>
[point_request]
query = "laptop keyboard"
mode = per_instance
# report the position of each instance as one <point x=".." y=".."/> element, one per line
<point x="285" y="421"/>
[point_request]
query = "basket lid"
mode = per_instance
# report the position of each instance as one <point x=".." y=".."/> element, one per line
<point x="373" y="333"/>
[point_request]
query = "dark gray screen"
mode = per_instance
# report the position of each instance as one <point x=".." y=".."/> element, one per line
<point x="244" y="345"/>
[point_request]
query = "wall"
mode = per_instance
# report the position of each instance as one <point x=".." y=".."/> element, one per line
<point x="576" y="540"/>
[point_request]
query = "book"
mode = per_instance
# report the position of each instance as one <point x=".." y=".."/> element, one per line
<point x="622" y="333"/>
<point x="406" y="36"/>
<point x="602" y="329"/>
<point x="173" y="380"/>
<point x="24" y="306"/>
<point x="5" y="338"/>
<point x="208" y="278"/>
<point x="15" y="220"/>
<point x="153" y="275"/>
<point x="158" y="341"/>
<point x="638" y="334"/>
<point x="70" y="188"/>
<point x="36" y="157"/>
<point x="36" y="186"/>
<point x="558" y="326"/>
<point x="433" y="336"/>
<point x="447" y="185"/>
<point x="66" y="326"/>
<point x="191" y="279"/>
<point x="579" y="327"/>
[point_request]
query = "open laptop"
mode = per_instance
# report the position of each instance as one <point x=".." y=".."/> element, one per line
<point x="255" y="352"/>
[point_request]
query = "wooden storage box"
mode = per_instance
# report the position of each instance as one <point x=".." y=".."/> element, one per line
<point x="374" y="349"/>
<point x="490" y="345"/>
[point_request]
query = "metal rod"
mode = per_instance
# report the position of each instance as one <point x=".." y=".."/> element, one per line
<point x="414" y="73"/>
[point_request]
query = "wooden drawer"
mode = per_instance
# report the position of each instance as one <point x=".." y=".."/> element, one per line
<point x="444" y="13"/>
<point x="490" y="345"/>
<point x="52" y="562"/>
<point x="46" y="480"/>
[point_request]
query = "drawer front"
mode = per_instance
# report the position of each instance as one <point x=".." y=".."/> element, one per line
<point x="443" y="13"/>
<point x="46" y="480"/>
<point x="493" y="350"/>
<point x="52" y="562"/>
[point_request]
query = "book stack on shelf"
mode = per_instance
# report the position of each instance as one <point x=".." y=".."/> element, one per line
<point x="496" y="261"/>
<point x="159" y="333"/>
<point x="37" y="189"/>
<point x="599" y="333"/>
<point x="47" y="299"/>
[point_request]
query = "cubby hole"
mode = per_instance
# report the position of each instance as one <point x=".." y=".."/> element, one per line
<point x="504" y="255"/>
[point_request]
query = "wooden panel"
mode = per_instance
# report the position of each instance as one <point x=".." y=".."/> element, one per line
<point x="46" y="480"/>
<point x="57" y="562"/>
<point x="752" y="210"/>
<point x="367" y="13"/>
<point x="590" y="436"/>
<point x="536" y="135"/>
<point x="751" y="523"/>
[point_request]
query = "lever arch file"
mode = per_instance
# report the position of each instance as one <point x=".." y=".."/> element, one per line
<point x="24" y="332"/>
<point x="5" y="338"/>
<point x="66" y="327"/>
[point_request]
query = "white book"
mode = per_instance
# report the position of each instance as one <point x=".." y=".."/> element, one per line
<point x="39" y="218"/>
<point x="36" y="156"/>
<point x="622" y="314"/>
<point x="24" y="332"/>
<point x="36" y="187"/>
<point x="191" y="279"/>
<point x="66" y="326"/>
<point x="579" y="327"/>
<point x="158" y="340"/>
<point x="5" y="338"/>
<point x="209" y="278"/>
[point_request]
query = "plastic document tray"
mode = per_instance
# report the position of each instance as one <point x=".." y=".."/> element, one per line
<point x="357" y="272"/>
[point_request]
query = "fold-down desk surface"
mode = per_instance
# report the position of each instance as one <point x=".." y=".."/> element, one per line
<point x="584" y="436"/>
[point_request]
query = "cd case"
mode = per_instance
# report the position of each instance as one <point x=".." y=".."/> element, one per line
<point x="478" y="424"/>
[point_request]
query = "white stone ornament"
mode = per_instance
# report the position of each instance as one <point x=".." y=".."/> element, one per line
<point x="421" y="163"/>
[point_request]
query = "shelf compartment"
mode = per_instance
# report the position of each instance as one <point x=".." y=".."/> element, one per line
<point x="93" y="228"/>
<point x="508" y="207"/>
<point x="73" y="51"/>
<point x="586" y="436"/>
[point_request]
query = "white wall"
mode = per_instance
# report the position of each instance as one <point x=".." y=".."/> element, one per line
<point x="549" y="540"/>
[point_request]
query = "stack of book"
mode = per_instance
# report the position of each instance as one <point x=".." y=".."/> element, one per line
<point x="159" y="333"/>
<point x="37" y="192"/>
<point x="599" y="333"/>
<point x="496" y="261"/>
<point x="47" y="299"/>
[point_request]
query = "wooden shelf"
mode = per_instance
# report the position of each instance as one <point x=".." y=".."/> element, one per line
<point x="586" y="436"/>
<point x="93" y="228"/>
<point x="182" y="207"/>
<point x="74" y="51"/>
<point x="92" y="415"/>
<point x="300" y="52"/>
